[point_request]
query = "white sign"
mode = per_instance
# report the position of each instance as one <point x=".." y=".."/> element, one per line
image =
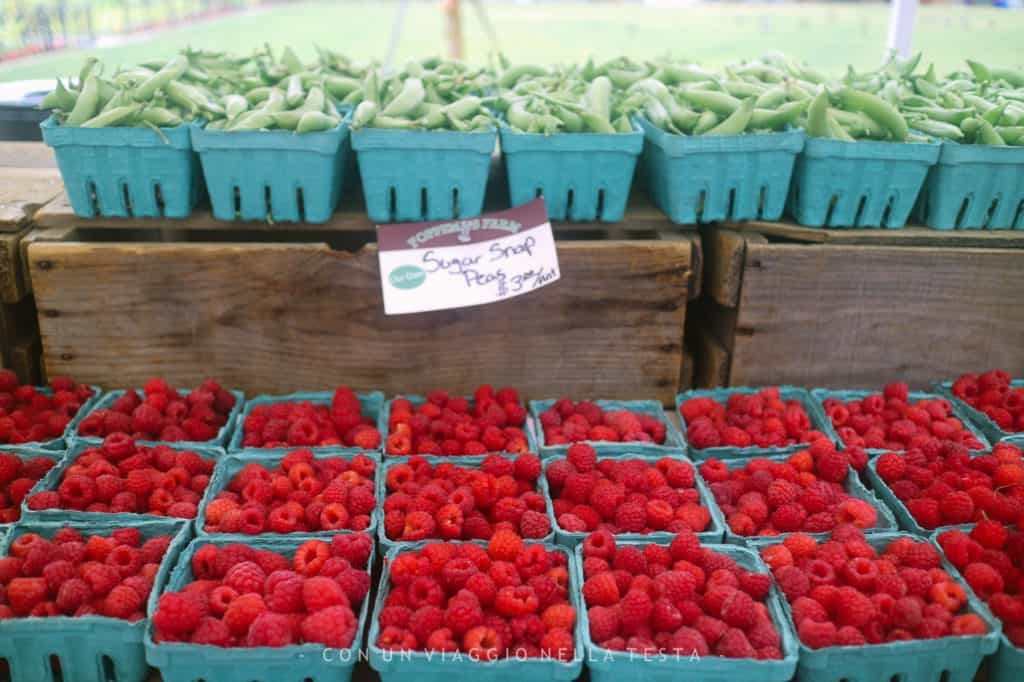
<point x="472" y="261"/>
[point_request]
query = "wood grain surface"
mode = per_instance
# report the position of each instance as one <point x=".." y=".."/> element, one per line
<point x="23" y="191"/>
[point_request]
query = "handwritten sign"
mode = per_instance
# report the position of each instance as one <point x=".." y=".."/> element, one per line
<point x="472" y="261"/>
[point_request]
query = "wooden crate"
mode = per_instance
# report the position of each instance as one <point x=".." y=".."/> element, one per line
<point x="296" y="308"/>
<point x="856" y="308"/>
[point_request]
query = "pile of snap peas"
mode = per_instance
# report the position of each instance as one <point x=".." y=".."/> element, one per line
<point x="431" y="94"/>
<point x="539" y="100"/>
<point x="160" y="97"/>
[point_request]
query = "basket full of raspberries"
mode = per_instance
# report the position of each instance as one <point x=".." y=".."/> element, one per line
<point x="339" y="419"/>
<point x="42" y="416"/>
<point x="160" y="414"/>
<point x="268" y="610"/>
<point x="681" y="610"/>
<point x="507" y="608"/>
<point x="442" y="424"/>
<point x="994" y="400"/>
<point x="76" y="594"/>
<point x="879" y="607"/>
<point x="747" y="422"/>
<point x="612" y="427"/>
<point x="256" y="493"/>
<point x="895" y="419"/>
<point x="20" y="473"/>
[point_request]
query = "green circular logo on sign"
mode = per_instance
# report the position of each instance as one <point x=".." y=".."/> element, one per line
<point x="407" y="277"/>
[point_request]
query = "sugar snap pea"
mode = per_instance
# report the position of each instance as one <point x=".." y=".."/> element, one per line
<point x="737" y="121"/>
<point x="878" y="109"/>
<point x="707" y="120"/>
<point x="113" y="117"/>
<point x="87" y="103"/>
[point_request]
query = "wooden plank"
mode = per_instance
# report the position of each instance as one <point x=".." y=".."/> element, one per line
<point x="712" y="367"/>
<point x="12" y="277"/>
<point x="907" y="236"/>
<point x="724" y="253"/>
<point x="23" y="191"/>
<point x="860" y="316"/>
<point x="696" y="257"/>
<point x="26" y="155"/>
<point x="686" y="370"/>
<point x="271" y="318"/>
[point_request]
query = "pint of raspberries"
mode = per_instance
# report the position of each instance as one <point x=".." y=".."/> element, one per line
<point x="122" y="477"/>
<point x="493" y="421"/>
<point x="245" y="597"/>
<point x="508" y="600"/>
<point x="452" y="502"/>
<point x="162" y="413"/>
<point x="892" y="421"/>
<point x="80" y="574"/>
<point x="994" y="394"/>
<point x="19" y="473"/>
<point x="308" y="424"/>
<point x="845" y="592"/>
<point x="678" y="599"/>
<point x="805" y="491"/>
<point x="989" y="558"/>
<point x="301" y="494"/>
<point x="624" y="495"/>
<point x="942" y="484"/>
<point x="28" y="415"/>
<point x="761" y="419"/>
<point x="567" y="422"/>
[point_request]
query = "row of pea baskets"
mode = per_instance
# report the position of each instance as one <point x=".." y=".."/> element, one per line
<point x="416" y="175"/>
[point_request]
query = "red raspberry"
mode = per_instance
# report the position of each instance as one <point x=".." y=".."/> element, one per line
<point x="601" y="590"/>
<point x="583" y="457"/>
<point x="505" y="545"/>
<point x="333" y="627"/>
<point x="122" y="602"/>
<point x="634" y="611"/>
<point x="817" y="635"/>
<point x="177" y="615"/>
<point x="462" y="615"/>
<point x="244" y="577"/>
<point x="956" y="508"/>
<point x="990" y="534"/>
<point x="734" y="644"/>
<point x="242" y="612"/>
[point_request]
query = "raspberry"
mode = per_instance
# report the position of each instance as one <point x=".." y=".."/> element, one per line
<point x="333" y="627"/>
<point x="582" y="456"/>
<point x="270" y="629"/>
<point x="504" y="545"/>
<point x="601" y="590"/>
<point x="557" y="643"/>
<point x="462" y="615"/>
<point x="634" y="611"/>
<point x="676" y="586"/>
<point x="242" y="612"/>
<point x="244" y="577"/>
<point x="890" y="467"/>
<point x="793" y="582"/>
<point x="604" y="622"/>
<point x="990" y="534"/>
<point x="534" y="524"/>
<point x="310" y="557"/>
<point x="957" y="508"/>
<point x="734" y="644"/>
<point x="817" y="635"/>
<point x="176" y="615"/>
<point x="122" y="601"/>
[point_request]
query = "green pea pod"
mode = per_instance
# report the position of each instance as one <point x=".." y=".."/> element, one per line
<point x="571" y="121"/>
<point x="354" y="97"/>
<point x="980" y="71"/>
<point x="294" y="93"/>
<point x="341" y="86"/>
<point x="274" y="103"/>
<point x="706" y="122"/>
<point x="162" y="117"/>
<point x="87" y="103"/>
<point x="106" y="91"/>
<point x="59" y="98"/>
<point x="235" y="105"/>
<point x="993" y="115"/>
<point x="315" y="100"/>
<point x="772" y="97"/>
<point x="796" y="91"/>
<point x="980" y="104"/>
<point x="737" y="121"/>
<point x="971" y="126"/>
<point x="987" y="135"/>
<point x="778" y="119"/>
<point x="657" y="114"/>
<point x="599" y="97"/>
<point x="519" y="117"/>
<point x="171" y="71"/>
<point x="480" y="122"/>
<point x="954" y="116"/>
<point x="835" y="129"/>
<point x="195" y="73"/>
<point x="316" y="121"/>
<point x="682" y="117"/>
<point x="119" y="99"/>
<point x="291" y="61"/>
<point x="596" y="124"/>
<point x="252" y="120"/>
<point x="1011" y="134"/>
<point x="392" y="123"/>
<point x="743" y="89"/>
<point x="877" y="108"/>
<point x="406" y="101"/>
<point x="622" y="125"/>
<point x="463" y="108"/>
<point x="219" y="124"/>
<point x="512" y="76"/>
<point x="930" y="76"/>
<point x="185" y="96"/>
<point x="941" y="129"/>
<point x="623" y="78"/>
<point x="113" y="117"/>
<point x="817" y="120"/>
<point x="86" y="70"/>
<point x="132" y="77"/>
<point x="951" y="100"/>
<point x="257" y="95"/>
<point x="364" y="114"/>
<point x="926" y="88"/>
<point x="431" y="116"/>
<point x="720" y="103"/>
<point x="1014" y="77"/>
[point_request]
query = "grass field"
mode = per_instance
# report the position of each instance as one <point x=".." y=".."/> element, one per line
<point x="828" y="35"/>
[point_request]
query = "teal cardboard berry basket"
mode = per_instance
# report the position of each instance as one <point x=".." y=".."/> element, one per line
<point x="54" y="476"/>
<point x="182" y="662"/>
<point x="822" y="394"/>
<point x="974" y="187"/>
<point x="62" y="442"/>
<point x="87" y="648"/>
<point x="126" y="172"/>
<point x="417" y="400"/>
<point x="858" y="184"/>
<point x="26" y="454"/>
<point x="417" y="175"/>
<point x="706" y="179"/>
<point x="1007" y="664"/>
<point x="371" y="406"/>
<point x="721" y="395"/>
<point x="886" y="522"/>
<point x="675" y="442"/>
<point x="978" y="418"/>
<point x="582" y="176"/>
<point x="274" y="175"/>
<point x="218" y="441"/>
<point x="386" y="544"/>
<point x="605" y="665"/>
<point x="399" y="666"/>
<point x="712" y="534"/>
<point x="230" y="465"/>
<point x="946" y="659"/>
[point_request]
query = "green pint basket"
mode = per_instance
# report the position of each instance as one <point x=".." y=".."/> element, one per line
<point x="582" y="176"/>
<point x="981" y="420"/>
<point x="974" y="187"/>
<point x="126" y="172"/>
<point x="675" y="443"/>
